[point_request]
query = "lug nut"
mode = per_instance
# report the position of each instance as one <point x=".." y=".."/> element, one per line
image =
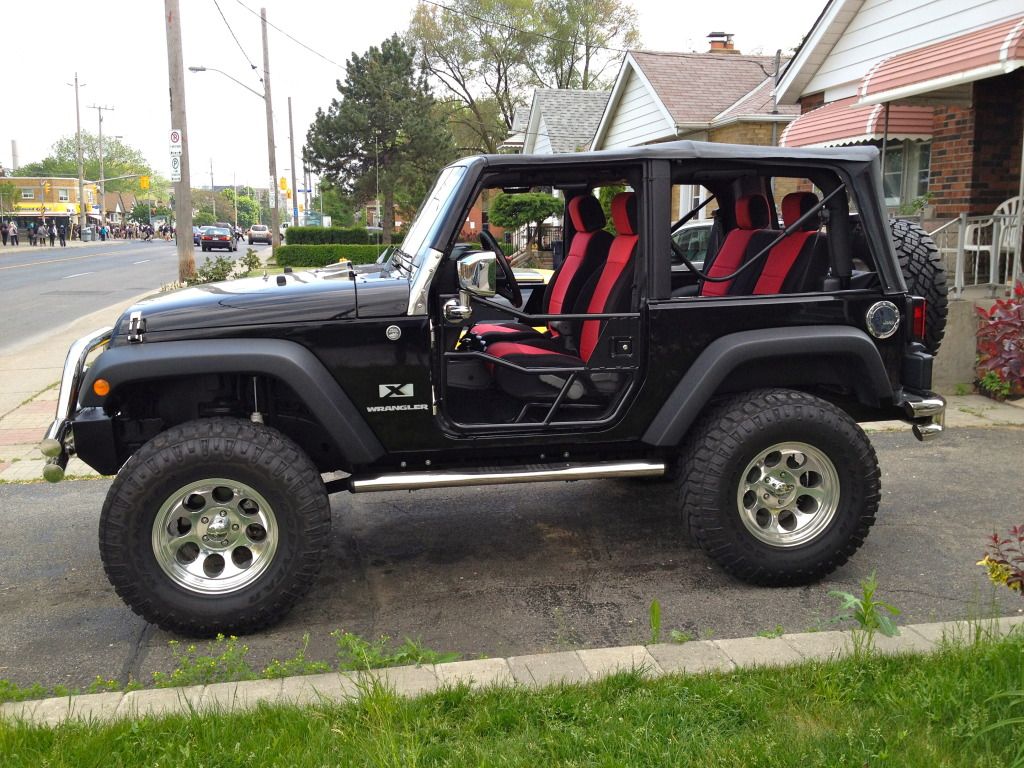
<point x="234" y="527"/>
<point x="204" y="520"/>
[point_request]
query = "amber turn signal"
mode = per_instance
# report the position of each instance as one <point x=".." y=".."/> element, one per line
<point x="101" y="387"/>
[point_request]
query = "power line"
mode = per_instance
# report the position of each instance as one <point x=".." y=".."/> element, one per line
<point x="294" y="40"/>
<point x="235" y="37"/>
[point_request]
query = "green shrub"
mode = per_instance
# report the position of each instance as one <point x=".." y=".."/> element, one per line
<point x="322" y="255"/>
<point x="328" y="236"/>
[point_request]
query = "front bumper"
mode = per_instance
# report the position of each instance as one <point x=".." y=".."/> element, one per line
<point x="58" y="444"/>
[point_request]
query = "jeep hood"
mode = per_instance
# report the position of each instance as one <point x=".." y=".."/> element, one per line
<point x="298" y="297"/>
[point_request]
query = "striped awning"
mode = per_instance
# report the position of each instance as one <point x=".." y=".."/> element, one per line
<point x="845" y="122"/>
<point x="989" y="52"/>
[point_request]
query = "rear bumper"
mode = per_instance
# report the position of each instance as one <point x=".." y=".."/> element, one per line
<point x="228" y="244"/>
<point x="926" y="412"/>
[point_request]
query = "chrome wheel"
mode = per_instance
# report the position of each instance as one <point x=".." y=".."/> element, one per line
<point x="215" y="536"/>
<point x="788" y="494"/>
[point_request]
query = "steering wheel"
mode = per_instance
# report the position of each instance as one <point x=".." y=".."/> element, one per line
<point x="510" y="288"/>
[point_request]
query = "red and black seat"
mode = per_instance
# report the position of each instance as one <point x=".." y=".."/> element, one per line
<point x="743" y="242"/>
<point x="799" y="262"/>
<point x="587" y="251"/>
<point x="608" y="291"/>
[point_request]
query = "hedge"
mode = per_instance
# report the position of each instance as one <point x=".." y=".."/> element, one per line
<point x="328" y="235"/>
<point x="322" y="255"/>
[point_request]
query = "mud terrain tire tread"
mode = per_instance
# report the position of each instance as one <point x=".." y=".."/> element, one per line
<point x="219" y="447"/>
<point x="720" y="447"/>
<point x="925" y="276"/>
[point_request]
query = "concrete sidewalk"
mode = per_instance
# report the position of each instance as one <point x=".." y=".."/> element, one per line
<point x="24" y="247"/>
<point x="534" y="671"/>
<point x="30" y="375"/>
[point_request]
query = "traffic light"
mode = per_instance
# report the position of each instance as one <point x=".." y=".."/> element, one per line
<point x="143" y="182"/>
<point x="283" y="183"/>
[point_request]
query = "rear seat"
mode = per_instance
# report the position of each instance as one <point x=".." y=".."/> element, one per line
<point x="750" y="235"/>
<point x="799" y="262"/>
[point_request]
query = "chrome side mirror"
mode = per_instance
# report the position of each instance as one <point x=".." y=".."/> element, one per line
<point x="478" y="273"/>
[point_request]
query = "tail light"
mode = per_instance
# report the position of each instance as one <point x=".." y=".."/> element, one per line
<point x="919" y="311"/>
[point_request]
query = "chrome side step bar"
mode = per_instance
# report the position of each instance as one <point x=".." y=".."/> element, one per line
<point x="411" y="481"/>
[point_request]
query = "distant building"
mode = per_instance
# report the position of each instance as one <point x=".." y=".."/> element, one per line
<point x="49" y="199"/>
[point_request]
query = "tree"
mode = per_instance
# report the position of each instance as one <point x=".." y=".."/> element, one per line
<point x="487" y="55"/>
<point x="513" y="211"/>
<point x="119" y="159"/>
<point x="579" y="49"/>
<point x="477" y="51"/>
<point x="335" y="204"/>
<point x="8" y="191"/>
<point x="382" y="133"/>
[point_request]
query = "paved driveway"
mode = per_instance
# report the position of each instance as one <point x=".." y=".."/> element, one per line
<point x="517" y="569"/>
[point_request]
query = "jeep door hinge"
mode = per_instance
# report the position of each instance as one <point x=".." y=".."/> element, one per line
<point x="136" y="328"/>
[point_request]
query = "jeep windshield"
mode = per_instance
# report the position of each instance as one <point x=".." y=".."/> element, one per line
<point x="408" y="257"/>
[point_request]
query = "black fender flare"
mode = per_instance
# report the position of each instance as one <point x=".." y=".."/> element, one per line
<point x="285" y="360"/>
<point x="725" y="354"/>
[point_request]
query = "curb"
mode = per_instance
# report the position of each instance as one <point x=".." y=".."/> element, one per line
<point x="534" y="671"/>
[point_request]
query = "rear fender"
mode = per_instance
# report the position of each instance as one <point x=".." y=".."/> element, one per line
<point x="772" y="347"/>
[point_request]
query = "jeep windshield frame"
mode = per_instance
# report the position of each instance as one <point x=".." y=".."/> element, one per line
<point x="410" y="256"/>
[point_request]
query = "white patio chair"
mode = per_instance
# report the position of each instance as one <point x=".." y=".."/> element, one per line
<point x="993" y="235"/>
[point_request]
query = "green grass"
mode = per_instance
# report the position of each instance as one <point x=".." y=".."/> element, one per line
<point x="903" y="711"/>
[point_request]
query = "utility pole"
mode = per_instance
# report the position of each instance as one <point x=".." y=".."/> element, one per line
<point x="234" y="197"/>
<point x="182" y="189"/>
<point x="81" y="161"/>
<point x="213" y="191"/>
<point x="291" y="156"/>
<point x="103" y="184"/>
<point x="275" y="193"/>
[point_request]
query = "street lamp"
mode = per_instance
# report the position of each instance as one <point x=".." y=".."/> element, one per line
<point x="275" y="237"/>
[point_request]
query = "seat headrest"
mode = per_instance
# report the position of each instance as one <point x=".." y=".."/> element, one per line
<point x="624" y="213"/>
<point x="586" y="214"/>
<point x="752" y="212"/>
<point x="795" y="205"/>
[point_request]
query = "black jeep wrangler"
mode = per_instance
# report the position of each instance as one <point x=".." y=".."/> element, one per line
<point x="736" y="378"/>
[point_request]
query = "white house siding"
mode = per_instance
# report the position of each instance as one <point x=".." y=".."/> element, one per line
<point x="638" y="118"/>
<point x="885" y="27"/>
<point x="542" y="142"/>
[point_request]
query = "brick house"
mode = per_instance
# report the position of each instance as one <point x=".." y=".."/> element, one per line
<point x="939" y="87"/>
<point x="719" y="96"/>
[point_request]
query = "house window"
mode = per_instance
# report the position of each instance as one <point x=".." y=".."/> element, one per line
<point x="28" y="194"/>
<point x="892" y="179"/>
<point x="907" y="169"/>
<point x="63" y="195"/>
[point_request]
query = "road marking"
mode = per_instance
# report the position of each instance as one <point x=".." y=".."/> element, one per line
<point x="144" y="261"/>
<point x="56" y="261"/>
<point x="79" y="274"/>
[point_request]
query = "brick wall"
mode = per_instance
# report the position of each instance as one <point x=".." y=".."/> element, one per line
<point x="976" y="151"/>
<point x="746" y="133"/>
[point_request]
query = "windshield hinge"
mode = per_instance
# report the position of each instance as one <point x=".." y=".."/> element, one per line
<point x="136" y="328"/>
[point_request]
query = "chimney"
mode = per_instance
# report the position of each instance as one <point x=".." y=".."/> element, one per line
<point x="721" y="42"/>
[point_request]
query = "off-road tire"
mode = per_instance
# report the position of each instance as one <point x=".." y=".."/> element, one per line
<point x="721" y="448"/>
<point x="252" y="455"/>
<point x="925" y="276"/>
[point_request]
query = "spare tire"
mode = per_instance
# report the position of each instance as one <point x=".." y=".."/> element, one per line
<point x="924" y="275"/>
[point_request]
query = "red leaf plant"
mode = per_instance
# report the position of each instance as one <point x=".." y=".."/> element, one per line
<point x="1001" y="342"/>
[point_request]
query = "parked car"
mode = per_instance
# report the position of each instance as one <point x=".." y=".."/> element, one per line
<point x="222" y="408"/>
<point x="196" y="234"/>
<point x="283" y="228"/>
<point x="259" y="233"/>
<point x="217" y="237"/>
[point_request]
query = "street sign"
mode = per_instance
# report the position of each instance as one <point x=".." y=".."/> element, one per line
<point x="175" y="167"/>
<point x="175" y="137"/>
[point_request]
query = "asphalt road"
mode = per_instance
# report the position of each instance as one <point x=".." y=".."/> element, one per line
<point x="45" y="287"/>
<point x="517" y="569"/>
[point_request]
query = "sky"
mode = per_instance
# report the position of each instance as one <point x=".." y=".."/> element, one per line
<point x="118" y="49"/>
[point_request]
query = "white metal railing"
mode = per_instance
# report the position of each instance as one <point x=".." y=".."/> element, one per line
<point x="968" y="243"/>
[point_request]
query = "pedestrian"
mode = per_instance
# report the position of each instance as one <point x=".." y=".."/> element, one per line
<point x="3" y="231"/>
<point x="53" y="233"/>
<point x="41" y="232"/>
<point x="62" y="233"/>
<point x="31" y="233"/>
<point x="12" y="232"/>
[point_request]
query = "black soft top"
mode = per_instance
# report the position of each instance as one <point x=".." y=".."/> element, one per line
<point x="853" y="157"/>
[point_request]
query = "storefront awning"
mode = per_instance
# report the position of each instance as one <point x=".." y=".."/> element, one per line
<point x="938" y="72"/>
<point x="845" y="122"/>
